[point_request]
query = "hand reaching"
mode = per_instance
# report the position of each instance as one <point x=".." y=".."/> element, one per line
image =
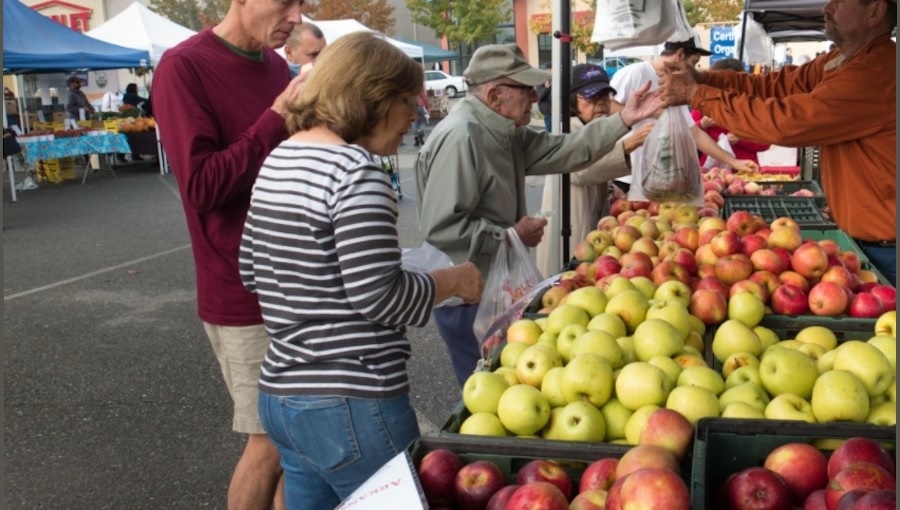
<point x="470" y="282"/>
<point x="290" y="94"/>
<point x="640" y="105"/>
<point x="637" y="138"/>
<point x="530" y="230"/>
<point x="745" y="165"/>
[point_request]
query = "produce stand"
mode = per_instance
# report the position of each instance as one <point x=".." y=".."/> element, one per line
<point x="807" y="212"/>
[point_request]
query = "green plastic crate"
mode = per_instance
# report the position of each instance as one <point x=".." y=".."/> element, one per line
<point x="723" y="446"/>
<point x="804" y="210"/>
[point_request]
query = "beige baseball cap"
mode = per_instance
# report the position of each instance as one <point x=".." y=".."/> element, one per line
<point x="502" y="60"/>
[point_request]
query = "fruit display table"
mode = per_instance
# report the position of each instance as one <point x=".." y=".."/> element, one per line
<point x="36" y="148"/>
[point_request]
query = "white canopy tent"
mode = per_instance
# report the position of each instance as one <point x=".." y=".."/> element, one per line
<point x="139" y="27"/>
<point x="333" y="29"/>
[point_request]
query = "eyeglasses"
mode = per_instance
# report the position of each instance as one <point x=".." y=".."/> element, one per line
<point x="516" y="86"/>
<point x="601" y="99"/>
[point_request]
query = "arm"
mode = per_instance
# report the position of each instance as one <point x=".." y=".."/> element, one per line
<point x="708" y="146"/>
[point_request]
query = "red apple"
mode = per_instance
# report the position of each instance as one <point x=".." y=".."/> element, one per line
<point x="651" y="488"/>
<point x="537" y="495"/>
<point x="619" y="205"/>
<point x="552" y="296"/>
<point x="669" y="270"/>
<point x="437" y="472"/>
<point x="592" y="499"/>
<point x="613" y="500"/>
<point x="767" y="260"/>
<point x="767" y="279"/>
<point x="859" y="475"/>
<point x="877" y="500"/>
<point x="785" y="237"/>
<point x="733" y="268"/>
<point x="712" y="283"/>
<point x="756" y="488"/>
<point x="839" y="275"/>
<point x="859" y="449"/>
<point x="625" y="235"/>
<point x="830" y="246"/>
<point x="789" y="299"/>
<point x="708" y="305"/>
<point x="827" y="298"/>
<point x="725" y="243"/>
<point x="606" y="265"/>
<point x="643" y="456"/>
<point x="810" y="260"/>
<point x="685" y="258"/>
<point x="501" y="498"/>
<point x="795" y="279"/>
<point x="752" y="243"/>
<point x="688" y="237"/>
<point x="543" y="470"/>
<point x="887" y="295"/>
<point x="803" y="467"/>
<point x="784" y="221"/>
<point x="850" y="259"/>
<point x="741" y="223"/>
<point x="669" y="429"/>
<point x="599" y="474"/>
<point x="848" y="500"/>
<point x="476" y="482"/>
<point x="705" y="256"/>
<point x="815" y="501"/>
<point x="752" y="287"/>
<point x="704" y="270"/>
<point x="866" y="305"/>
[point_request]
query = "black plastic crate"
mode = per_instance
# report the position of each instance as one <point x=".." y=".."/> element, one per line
<point x="723" y="446"/>
<point x="787" y="188"/>
<point x="804" y="210"/>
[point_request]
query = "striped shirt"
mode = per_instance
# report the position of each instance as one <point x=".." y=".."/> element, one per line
<point x="320" y="248"/>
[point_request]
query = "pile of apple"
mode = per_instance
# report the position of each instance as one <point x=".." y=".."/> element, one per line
<point x="725" y="182"/>
<point x="646" y="476"/>
<point x="859" y="475"/>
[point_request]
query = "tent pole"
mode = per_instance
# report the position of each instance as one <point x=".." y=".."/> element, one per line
<point x="561" y="91"/>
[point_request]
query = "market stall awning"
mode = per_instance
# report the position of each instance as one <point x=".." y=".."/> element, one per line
<point x="788" y="16"/>
<point x="431" y="52"/>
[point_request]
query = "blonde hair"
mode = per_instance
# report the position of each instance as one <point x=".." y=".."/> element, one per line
<point x="353" y="84"/>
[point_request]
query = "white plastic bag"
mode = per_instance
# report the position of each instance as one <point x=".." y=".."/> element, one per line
<point x="628" y="23"/>
<point x="726" y="146"/>
<point x="670" y="169"/>
<point x="424" y="259"/>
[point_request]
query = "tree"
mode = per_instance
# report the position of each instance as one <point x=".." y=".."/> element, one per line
<point x="190" y="13"/>
<point x="466" y="21"/>
<point x="377" y="14"/>
<point x="582" y="27"/>
<point x="700" y="11"/>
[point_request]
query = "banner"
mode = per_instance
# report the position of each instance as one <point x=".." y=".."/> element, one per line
<point x="721" y="42"/>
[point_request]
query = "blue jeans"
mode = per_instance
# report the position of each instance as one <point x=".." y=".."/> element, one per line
<point x="884" y="258"/>
<point x="454" y="323"/>
<point x="329" y="446"/>
<point x="548" y="123"/>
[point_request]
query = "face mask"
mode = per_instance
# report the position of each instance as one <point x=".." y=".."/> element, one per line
<point x="294" y="69"/>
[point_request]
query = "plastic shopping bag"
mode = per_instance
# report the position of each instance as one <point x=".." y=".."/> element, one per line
<point x="726" y="146"/>
<point x="670" y="170"/>
<point x="425" y="259"/>
<point x="507" y="292"/>
<point x="628" y="23"/>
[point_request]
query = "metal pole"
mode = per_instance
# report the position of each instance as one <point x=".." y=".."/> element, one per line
<point x="561" y="92"/>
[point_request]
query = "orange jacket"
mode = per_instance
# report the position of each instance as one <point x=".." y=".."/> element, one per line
<point x="846" y="108"/>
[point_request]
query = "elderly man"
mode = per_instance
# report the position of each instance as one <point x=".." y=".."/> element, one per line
<point x="470" y="173"/>
<point x="824" y="103"/>
<point x="303" y="46"/>
<point x="220" y="99"/>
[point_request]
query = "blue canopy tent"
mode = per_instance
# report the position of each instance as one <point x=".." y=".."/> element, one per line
<point x="33" y="43"/>
<point x="432" y="53"/>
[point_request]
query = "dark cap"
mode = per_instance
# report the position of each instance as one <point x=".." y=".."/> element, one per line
<point x="690" y="47"/>
<point x="590" y="81"/>
<point x="502" y="60"/>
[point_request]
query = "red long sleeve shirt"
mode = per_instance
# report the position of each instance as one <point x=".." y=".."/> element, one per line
<point x="846" y="108"/>
<point x="212" y="106"/>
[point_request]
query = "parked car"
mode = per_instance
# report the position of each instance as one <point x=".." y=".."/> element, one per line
<point x="450" y="85"/>
<point x="613" y="64"/>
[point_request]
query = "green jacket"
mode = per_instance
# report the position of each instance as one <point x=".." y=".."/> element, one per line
<point x="470" y="175"/>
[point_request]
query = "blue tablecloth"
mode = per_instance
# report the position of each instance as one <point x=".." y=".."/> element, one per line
<point x="102" y="143"/>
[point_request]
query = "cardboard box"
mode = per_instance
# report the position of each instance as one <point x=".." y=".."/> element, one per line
<point x="59" y="117"/>
<point x="12" y="107"/>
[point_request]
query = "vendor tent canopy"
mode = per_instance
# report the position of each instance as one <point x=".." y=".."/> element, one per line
<point x="431" y="52"/>
<point x="789" y="20"/>
<point x="140" y="27"/>
<point x="333" y="29"/>
<point x="33" y="43"/>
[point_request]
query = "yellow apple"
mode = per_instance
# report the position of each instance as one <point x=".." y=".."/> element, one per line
<point x="694" y="402"/>
<point x="610" y="323"/>
<point x="840" y="396"/>
<point x="817" y="335"/>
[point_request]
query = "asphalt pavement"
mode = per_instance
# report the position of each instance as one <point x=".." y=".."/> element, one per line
<point x="112" y="396"/>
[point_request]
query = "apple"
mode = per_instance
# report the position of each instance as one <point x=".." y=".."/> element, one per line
<point x="887" y="324"/>
<point x="524" y="331"/>
<point x="877" y="500"/>
<point x="535" y="361"/>
<point x="784" y="221"/>
<point x="741" y="222"/>
<point x="757" y="488"/>
<point x="437" y="472"/>
<point x="794" y="278"/>
<point x="669" y="270"/>
<point x="859" y="475"/>
<point x="751" y="243"/>
<point x="685" y="258"/>
<point x="590" y="299"/>
<point x="551" y="387"/>
<point x="523" y="409"/>
<point x="592" y="499"/>
<point x="657" y="337"/>
<point x="827" y="298"/>
<point x="803" y="467"/>
<point x="767" y="260"/>
<point x="639" y="383"/>
<point x="552" y="296"/>
<point x="883" y="414"/>
<point x="601" y="343"/>
<point x="669" y="429"/>
<point x="859" y="449"/>
<point x="887" y="295"/>
<point x="694" y="402"/>
<point x="742" y="410"/>
<point x="704" y="377"/>
<point x="839" y="275"/>
<point x="609" y="323"/>
<point x="734" y="336"/>
<point x="644" y="285"/>
<point x="688" y="237"/>
<point x="867" y="363"/>
<point x="746" y="307"/>
<point x="866" y="305"/>
<point x="584" y="251"/>
<point x="508" y="373"/>
<point x="788" y="299"/>
<point x="510" y="354"/>
<point x="839" y="395"/>
<point x="673" y="291"/>
<point x="588" y="376"/>
<point x="566" y="338"/>
<point x="624" y="236"/>
<point x="888" y="346"/>
<point x="712" y="283"/>
<point x="810" y="260"/>
<point x="788" y="371"/>
<point x="619" y="205"/>
<point x="768" y="280"/>
<point x="738" y="360"/>
<point x="815" y="501"/>
<point x="544" y="470"/>
<point x="788" y="406"/>
<point x="614" y="284"/>
<point x="651" y="488"/>
<point x="533" y="495"/>
<point x="482" y="390"/>
<point x="749" y="393"/>
<point x="631" y="306"/>
<point x="563" y="315"/>
<point x="476" y="482"/>
<point x="733" y="268"/>
<point x="599" y="474"/>
<point x="483" y="424"/>
<point x="748" y="373"/>
<point x="726" y="242"/>
<point x="645" y="245"/>
<point x="501" y="498"/>
<point x="818" y="335"/>
<point x="616" y="417"/>
<point x="785" y="237"/>
<point x="644" y="456"/>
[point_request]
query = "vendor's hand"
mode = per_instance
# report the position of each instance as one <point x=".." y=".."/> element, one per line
<point x="470" y="282"/>
<point x="744" y="165"/>
<point x="732" y="139"/>
<point x="637" y="138"/>
<point x="641" y="104"/>
<point x="530" y="230"/>
<point x="706" y="122"/>
<point x="290" y="94"/>
<point x="679" y="84"/>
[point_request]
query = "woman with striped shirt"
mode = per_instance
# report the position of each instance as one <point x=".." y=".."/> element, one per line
<point x="321" y="250"/>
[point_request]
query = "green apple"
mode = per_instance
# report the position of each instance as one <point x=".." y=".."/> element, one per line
<point x="814" y="351"/>
<point x="566" y="338"/>
<point x="482" y="390"/>
<point x="703" y="377"/>
<point x="510" y="353"/>
<point x="542" y="322"/>
<point x="673" y="290"/>
<point x="617" y="285"/>
<point x="587" y="377"/>
<point x="818" y="335"/>
<point x="656" y="337"/>
<point x="577" y="421"/>
<point x="734" y="336"/>
<point x="674" y="313"/>
<point x="547" y="338"/>
<point x="534" y="362"/>
<point x="508" y="373"/>
<point x="788" y="371"/>
<point x="788" y="406"/>
<point x="590" y="298"/>
<point x="631" y="306"/>
<point x="689" y="359"/>
<point x="636" y="422"/>
<point x="826" y="361"/>
<point x="551" y="387"/>
<point x="610" y="323"/>
<point x="694" y="402"/>
<point x="669" y="366"/>
<point x="888" y="346"/>
<point x="868" y="363"/>
<point x="749" y="393"/>
<point x="766" y="336"/>
<point x="737" y="360"/>
<point x="550" y="427"/>
<point x="886" y="324"/>
<point x="524" y="331"/>
<point x="695" y="340"/>
<point x="563" y="315"/>
<point x="616" y="416"/>
<point x="645" y="285"/>
<point x="483" y="424"/>
<point x="840" y="396"/>
<point x="883" y="414"/>
<point x="602" y="343"/>
<point x="891" y="393"/>
<point x="744" y="374"/>
<point x="690" y="349"/>
<point x="523" y="409"/>
<point x="640" y="383"/>
<point x="697" y="325"/>
<point x="626" y="343"/>
<point x="742" y="410"/>
<point x="747" y="308"/>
